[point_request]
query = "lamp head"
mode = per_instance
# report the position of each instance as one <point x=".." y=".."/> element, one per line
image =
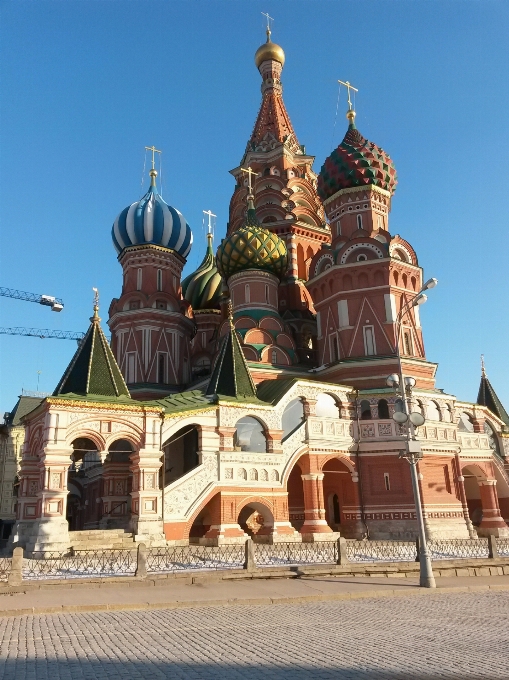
<point x="416" y="418"/>
<point x="430" y="283"/>
<point x="409" y="381"/>
<point x="419" y="300"/>
<point x="399" y="417"/>
<point x="392" y="380"/>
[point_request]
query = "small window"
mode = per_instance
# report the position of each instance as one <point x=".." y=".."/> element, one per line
<point x="160" y="304"/>
<point x="247" y="293"/>
<point x="249" y="435"/>
<point x="134" y="304"/>
<point x="159" y="279"/>
<point x="362" y="257"/>
<point x="326" y="406"/>
<point x="380" y="222"/>
<point x="365" y="410"/>
<point x="274" y="356"/>
<point x="139" y="279"/>
<point x="131" y="367"/>
<point x="369" y="341"/>
<point x="161" y="367"/>
<point x="338" y="228"/>
<point x="408" y="343"/>
<point x="387" y="481"/>
<point x="383" y="409"/>
<point x="267" y="298"/>
<point x="359" y="221"/>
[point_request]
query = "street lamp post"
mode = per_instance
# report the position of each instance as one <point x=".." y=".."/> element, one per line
<point x="411" y="420"/>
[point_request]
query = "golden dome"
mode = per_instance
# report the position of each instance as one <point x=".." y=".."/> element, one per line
<point x="269" y="50"/>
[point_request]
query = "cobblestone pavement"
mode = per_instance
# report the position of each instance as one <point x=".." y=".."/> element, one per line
<point x="440" y="636"/>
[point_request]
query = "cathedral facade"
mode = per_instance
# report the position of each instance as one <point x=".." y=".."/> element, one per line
<point x="251" y="397"/>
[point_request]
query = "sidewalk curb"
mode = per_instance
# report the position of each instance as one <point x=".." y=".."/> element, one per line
<point x="194" y="604"/>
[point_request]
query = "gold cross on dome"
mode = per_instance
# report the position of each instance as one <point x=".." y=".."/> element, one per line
<point x="154" y="151"/>
<point x="348" y="87"/>
<point x="269" y="19"/>
<point x="210" y="215"/>
<point x="250" y="172"/>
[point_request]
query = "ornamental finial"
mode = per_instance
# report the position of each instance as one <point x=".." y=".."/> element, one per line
<point x="269" y="19"/>
<point x="96" y="305"/>
<point x="483" y="369"/>
<point x="153" y="171"/>
<point x="350" y="114"/>
<point x="230" y="312"/>
<point x="210" y="215"/>
<point x="250" y="198"/>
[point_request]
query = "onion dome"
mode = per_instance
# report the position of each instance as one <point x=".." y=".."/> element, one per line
<point x="202" y="288"/>
<point x="152" y="221"/>
<point x="356" y="162"/>
<point x="252" y="247"/>
<point x="269" y="50"/>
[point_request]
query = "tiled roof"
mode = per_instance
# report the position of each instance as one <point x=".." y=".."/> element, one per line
<point x="93" y="369"/>
<point x="488" y="397"/>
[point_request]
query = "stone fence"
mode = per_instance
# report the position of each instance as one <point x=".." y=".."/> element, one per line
<point x="251" y="557"/>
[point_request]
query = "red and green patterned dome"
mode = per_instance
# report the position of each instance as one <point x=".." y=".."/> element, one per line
<point x="356" y="162"/>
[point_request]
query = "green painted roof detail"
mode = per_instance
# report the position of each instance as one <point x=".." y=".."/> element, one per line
<point x="231" y="377"/>
<point x="24" y="405"/>
<point x="183" y="401"/>
<point x="271" y="391"/>
<point x="356" y="162"/>
<point x="488" y="397"/>
<point x="93" y="369"/>
<point x="202" y="288"/>
<point x="252" y="247"/>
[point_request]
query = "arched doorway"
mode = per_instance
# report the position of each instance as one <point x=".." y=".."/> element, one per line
<point x="180" y="454"/>
<point x="339" y="494"/>
<point x="117" y="486"/>
<point x="84" y="485"/>
<point x="257" y="521"/>
<point x="295" y="490"/>
<point x="482" y="501"/>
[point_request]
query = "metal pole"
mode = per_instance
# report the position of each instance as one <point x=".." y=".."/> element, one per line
<point x="426" y="578"/>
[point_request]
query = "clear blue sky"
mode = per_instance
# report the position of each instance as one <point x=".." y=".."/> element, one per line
<point x="86" y="85"/>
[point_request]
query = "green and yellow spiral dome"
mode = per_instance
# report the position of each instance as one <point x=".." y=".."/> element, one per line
<point x="252" y="247"/>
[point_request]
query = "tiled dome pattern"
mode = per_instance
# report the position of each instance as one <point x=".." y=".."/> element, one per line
<point x="252" y="247"/>
<point x="356" y="162"/>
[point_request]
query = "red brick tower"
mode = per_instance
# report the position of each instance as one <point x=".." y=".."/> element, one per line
<point x="361" y="281"/>
<point x="285" y="196"/>
<point x="151" y="325"/>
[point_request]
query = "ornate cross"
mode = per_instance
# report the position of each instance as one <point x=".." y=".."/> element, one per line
<point x="348" y="87"/>
<point x="269" y="19"/>
<point x="154" y="151"/>
<point x="250" y="173"/>
<point x="210" y="215"/>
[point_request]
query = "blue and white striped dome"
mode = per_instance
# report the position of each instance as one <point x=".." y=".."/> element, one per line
<point x="151" y="220"/>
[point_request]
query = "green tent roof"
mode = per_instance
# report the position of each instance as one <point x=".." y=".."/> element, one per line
<point x="93" y="369"/>
<point x="488" y="397"/>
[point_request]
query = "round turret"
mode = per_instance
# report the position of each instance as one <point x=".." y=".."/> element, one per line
<point x="356" y="162"/>
<point x="202" y="288"/>
<point x="152" y="221"/>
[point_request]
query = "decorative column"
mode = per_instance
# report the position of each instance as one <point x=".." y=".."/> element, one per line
<point x="492" y="522"/>
<point x="315" y="527"/>
<point x="147" y="518"/>
<point x="463" y="496"/>
<point x="283" y="531"/>
<point x="274" y="444"/>
<point x="357" y="526"/>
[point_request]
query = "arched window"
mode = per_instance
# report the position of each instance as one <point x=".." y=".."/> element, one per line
<point x="365" y="410"/>
<point x="465" y="423"/>
<point x="326" y="406"/>
<point x="359" y="221"/>
<point x="383" y="409"/>
<point x="433" y="411"/>
<point x="249" y="435"/>
<point x="293" y="416"/>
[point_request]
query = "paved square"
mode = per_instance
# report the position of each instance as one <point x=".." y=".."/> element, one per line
<point x="460" y="636"/>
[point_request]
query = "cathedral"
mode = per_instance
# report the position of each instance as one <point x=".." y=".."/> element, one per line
<point x="251" y="398"/>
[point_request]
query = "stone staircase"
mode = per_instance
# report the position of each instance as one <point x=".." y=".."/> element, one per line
<point x="101" y="539"/>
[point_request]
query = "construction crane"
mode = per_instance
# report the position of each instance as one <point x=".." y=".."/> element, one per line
<point x="42" y="333"/>
<point x="56" y="304"/>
